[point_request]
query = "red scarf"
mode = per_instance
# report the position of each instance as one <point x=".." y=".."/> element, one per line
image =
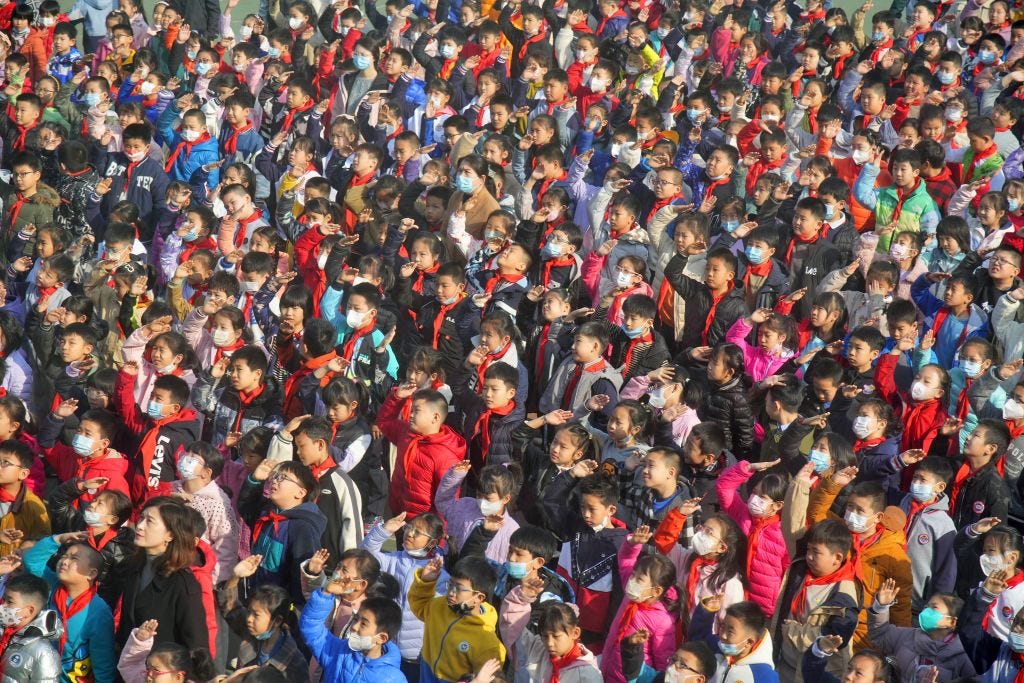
<point x="1015" y="581"/>
<point x="243" y="226"/>
<point x="184" y="145"/>
<point x="693" y="575"/>
<point x="245" y="399"/>
<point x="247" y="306"/>
<point x="222" y="350"/>
<point x="659" y="204"/>
<point x="8" y="633"/>
<point x="977" y="159"/>
<point x="16" y="209"/>
<point x="547" y="183"/>
<point x="488" y="359"/>
<point x="326" y="466"/>
<point x="712" y="184"/>
<point x="864" y="444"/>
<point x="483" y="426"/>
<point x="760" y="167"/>
<point x="498" y="278"/>
<point x="357" y="334"/>
<point x="99" y="544"/>
<point x="192" y="247"/>
<point x="439" y="320"/>
<point x="289" y="118"/>
<point x="604" y="22"/>
<point x="801" y="240"/>
<point x="268" y="518"/>
<point x="963" y="475"/>
<point x="715" y="300"/>
<point x="876" y="54"/>
<point x="574" y="380"/>
<point x="616" y="307"/>
<point x="66" y="611"/>
<point x="527" y="42"/>
<point x="19" y="142"/>
<point x="901" y="197"/>
<point x="558" y="262"/>
<point x="446" y="68"/>
<point x="8" y="497"/>
<point x="1015" y="431"/>
<point x="628" y="614"/>
<point x="633" y="343"/>
<point x="845" y="573"/>
<point x="915" y="510"/>
<point x="231" y="144"/>
<point x="417" y="286"/>
<point x="940" y="320"/>
<point x="760" y="524"/>
<point x="559" y="663"/>
<point x="760" y="270"/>
<point x="351" y="219"/>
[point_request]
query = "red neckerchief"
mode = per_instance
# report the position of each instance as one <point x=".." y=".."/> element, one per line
<point x="839" y="66"/>
<point x="45" y="293"/>
<point x="417" y="285"/>
<point x="978" y="158"/>
<point x="66" y="611"/>
<point x="357" y="334"/>
<point x="918" y="33"/>
<point x="193" y="247"/>
<point x="628" y="614"/>
<point x="633" y="343"/>
<point x="845" y="572"/>
<point x="542" y="341"/>
<point x="547" y="183"/>
<point x="527" y="42"/>
<point x="351" y="219"/>
<point x="760" y="270"/>
<point x="963" y="475"/>
<point x="574" y="380"/>
<point x="103" y="540"/>
<point x="16" y="208"/>
<point x="245" y="399"/>
<point x="326" y="466"/>
<point x="487" y="60"/>
<point x="184" y="145"/>
<point x="963" y="406"/>
<point x="243" y="226"/>
<point x="864" y="444"/>
<point x="616" y="233"/>
<point x="446" y="68"/>
<point x="289" y="118"/>
<point x="559" y="663"/>
<point x="8" y="497"/>
<point x="231" y="144"/>
<point x="268" y="518"/>
<point x="439" y="320"/>
<point x="915" y="510"/>
<point x="798" y="86"/>
<point x="812" y="17"/>
<point x="760" y="167"/>
<point x="1015" y="581"/>
<point x="491" y="357"/>
<point x="876" y="54"/>
<point x="558" y="262"/>
<point x="760" y="524"/>
<point x="604" y="22"/>
<point x="812" y="119"/>
<point x="406" y="408"/>
<point x="616" y="306"/>
<point x="247" y="306"/>
<point x="6" y="636"/>
<point x="19" y="142"/>
<point x="940" y="320"/>
<point x="801" y="240"/>
<point x="659" y="204"/>
<point x="221" y="350"/>
<point x="1015" y="431"/>
<point x="498" y="278"/>
<point x="399" y="129"/>
<point x="693" y="575"/>
<point x="712" y="184"/>
<point x="483" y="426"/>
<point x="715" y="300"/>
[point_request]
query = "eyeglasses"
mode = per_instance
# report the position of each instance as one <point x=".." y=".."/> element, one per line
<point x="683" y="666"/>
<point x="23" y="174"/>
<point x="4" y="464"/>
<point x="623" y="271"/>
<point x="278" y="478"/>
<point x="455" y="590"/>
<point x="1000" y="261"/>
<point x="661" y="182"/>
<point x="707" y="530"/>
<point x="412" y="532"/>
<point x="151" y="672"/>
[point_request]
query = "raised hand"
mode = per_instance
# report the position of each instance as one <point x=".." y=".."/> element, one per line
<point x="887" y="593"/>
<point x="247" y="567"/>
<point x="431" y="570"/>
<point x="9" y="563"/>
<point x="395" y="523"/>
<point x="531" y="587"/>
<point x="317" y="561"/>
<point x="995" y="583"/>
<point x="688" y="507"/>
<point x="584" y="468"/>
<point x="983" y="526"/>
<point x="66" y="408"/>
<point x="147" y="630"/>
<point x="830" y="644"/>
<point x="713" y="603"/>
<point x="761" y="466"/>
<point x="641" y="535"/>
<point x="912" y="456"/>
<point x="638" y="637"/>
<point x="598" y="402"/>
<point x="557" y="417"/>
<point x="843" y="477"/>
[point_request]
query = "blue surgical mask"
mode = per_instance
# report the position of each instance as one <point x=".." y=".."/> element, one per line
<point x="878" y="36"/>
<point x="516" y="570"/>
<point x="1016" y="641"/>
<point x="191" y="54"/>
<point x="265" y="635"/>
<point x="921" y="492"/>
<point x="632" y="334"/>
<point x="551" y="250"/>
<point x="821" y="460"/>
<point x="830" y="211"/>
<point x="203" y="68"/>
<point x="82" y="445"/>
<point x="273" y="52"/>
<point x="729" y="649"/>
<point x="155" y="410"/>
<point x="929" y="618"/>
<point x="694" y="114"/>
<point x="464" y="184"/>
<point x="447" y="51"/>
<point x="361" y="62"/>
<point x="730" y="225"/>
<point x="971" y="368"/>
<point x="1012" y="204"/>
<point x="945" y="78"/>
<point x="755" y="255"/>
<point x="192" y="235"/>
<point x="986" y="56"/>
<point x="91" y="99"/>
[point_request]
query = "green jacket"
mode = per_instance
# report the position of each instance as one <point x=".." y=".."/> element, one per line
<point x="918" y="213"/>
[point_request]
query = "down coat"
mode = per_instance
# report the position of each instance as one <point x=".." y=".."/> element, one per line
<point x="769" y="559"/>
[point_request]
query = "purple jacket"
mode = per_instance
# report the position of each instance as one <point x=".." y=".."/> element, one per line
<point x="462" y="515"/>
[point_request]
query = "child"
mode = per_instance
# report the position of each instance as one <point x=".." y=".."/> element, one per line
<point x="921" y="410"/>
<point x="134" y="176"/>
<point x="809" y="256"/>
<point x="767" y="558"/>
<point x="367" y="653"/>
<point x="363" y="343"/>
<point x="584" y="375"/>
<point x="776" y="339"/>
<point x="421" y="538"/>
<point x="226" y="335"/>
<point x="881" y="279"/>
<point x="630" y="278"/>
<point x="466" y="517"/>
<point x="954" y="318"/>
<point x="669" y="390"/>
<point x="488" y="417"/>
<point x="287" y="531"/>
<point x="744" y="643"/>
<point x="427" y="447"/>
<point x="141" y="654"/>
<point x="165" y="428"/>
<point x="244" y="401"/>
<point x="727" y="405"/>
<point x="653" y="487"/>
<point x="711" y="309"/>
<point x="21" y="509"/>
<point x="89" y="457"/>
<point x="498" y="342"/>
<point x="88" y="624"/>
<point x="158" y="352"/>
<point x="266" y="626"/>
<point x="554" y="651"/>
<point x="31" y="640"/>
<point x="820" y="597"/>
<point x="907" y="200"/>
<point x="639" y="349"/>
<point x="935" y="641"/>
<point x="646" y="580"/>
<point x="193" y="151"/>
<point x="978" y="490"/>
<point x="445" y="320"/>
<point x="461" y="615"/>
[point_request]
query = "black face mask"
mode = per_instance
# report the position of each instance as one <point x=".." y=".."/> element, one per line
<point x="461" y="609"/>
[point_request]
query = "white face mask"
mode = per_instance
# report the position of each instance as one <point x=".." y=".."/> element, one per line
<point x="919" y="392"/>
<point x="859" y="156"/>
<point x="147" y="88"/>
<point x="295" y="23"/>
<point x="135" y="157"/>
<point x="758" y="506"/>
<point x="9" y="615"/>
<point x="703" y="543"/>
<point x="246" y="32"/>
<point x="248" y="287"/>
<point x="614" y="149"/>
<point x="418" y="553"/>
<point x="489" y="508"/>
<point x="321" y="260"/>
<point x="863" y="426"/>
<point x="93" y="518"/>
<point x="624" y="280"/>
<point x="603" y="525"/>
<point x="189" y="135"/>
<point x="856" y="522"/>
<point x="633" y="590"/>
<point x="899" y="251"/>
<point x="656" y="399"/>
<point x="221" y="337"/>
<point x="355" y="319"/>
<point x="188" y="467"/>
<point x="360" y="643"/>
<point x="991" y="563"/>
<point x="1012" y="410"/>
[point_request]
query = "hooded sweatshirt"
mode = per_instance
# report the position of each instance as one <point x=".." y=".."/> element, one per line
<point x="31" y="656"/>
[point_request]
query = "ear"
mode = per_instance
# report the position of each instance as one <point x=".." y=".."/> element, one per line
<point x="611" y="510"/>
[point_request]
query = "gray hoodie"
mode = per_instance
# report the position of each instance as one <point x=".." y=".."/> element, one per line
<point x="31" y="656"/>
<point x="930" y="539"/>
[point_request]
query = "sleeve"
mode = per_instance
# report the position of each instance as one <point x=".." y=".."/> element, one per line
<point x="132" y="665"/>
<point x="101" y="644"/>
<point x="421" y="593"/>
<point x="794" y="514"/>
<point x="821" y="500"/>
<point x="667" y="534"/>
<point x="312" y="623"/>
<point x="864" y="187"/>
<point x="727" y="487"/>
<point x="628" y="555"/>
<point x="514" y="615"/>
<point x="556" y="502"/>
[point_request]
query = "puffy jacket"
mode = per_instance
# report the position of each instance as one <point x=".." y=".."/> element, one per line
<point x="69" y="465"/>
<point x="759" y="363"/>
<point x="472" y="407"/>
<point x="222" y="405"/>
<point x="930" y="537"/>
<point x="453" y="644"/>
<point x="911" y="645"/>
<point x="698" y="298"/>
<point x="417" y="475"/>
<point x="881" y="464"/>
<point x="769" y="559"/>
<point x="756" y="667"/>
<point x="884" y="559"/>
<point x="134" y="350"/>
<point x="463" y="515"/>
<point x="729" y="407"/>
<point x="188" y="165"/>
<point x="342" y="664"/>
<point x="918" y="213"/>
<point x="31" y="656"/>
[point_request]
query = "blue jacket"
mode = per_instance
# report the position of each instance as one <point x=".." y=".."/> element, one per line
<point x="90" y="632"/>
<point x="954" y="331"/>
<point x="188" y="167"/>
<point x="340" y="663"/>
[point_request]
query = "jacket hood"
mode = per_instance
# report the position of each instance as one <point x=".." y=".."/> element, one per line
<point x="308" y="512"/>
<point x="113" y="463"/>
<point x="45" y="195"/>
<point x="390" y="658"/>
<point x="186" y="422"/>
<point x="46" y="625"/>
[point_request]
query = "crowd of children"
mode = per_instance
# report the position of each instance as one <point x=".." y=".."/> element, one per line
<point x="561" y="341"/>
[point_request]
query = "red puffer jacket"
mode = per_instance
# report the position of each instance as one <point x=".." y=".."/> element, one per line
<point x="418" y="470"/>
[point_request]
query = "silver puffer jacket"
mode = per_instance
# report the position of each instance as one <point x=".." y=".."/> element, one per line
<point x="31" y="656"/>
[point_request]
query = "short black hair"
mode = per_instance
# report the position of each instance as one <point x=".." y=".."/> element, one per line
<point x="639" y="305"/>
<point x="175" y="386"/>
<point x="253" y="357"/>
<point x="748" y="614"/>
<point x="534" y="540"/>
<point x="870" y="336"/>
<point x="30" y="587"/>
<point x="20" y="450"/>
<point x="386" y="613"/>
<point x="940" y="467"/>
<point x="503" y="372"/>
<point x="832" y="534"/>
<point x="606" y="490"/>
<point x="319" y="336"/>
<point x="478" y="572"/>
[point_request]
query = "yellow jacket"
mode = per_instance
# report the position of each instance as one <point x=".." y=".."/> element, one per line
<point x="27" y="514"/>
<point x="454" y="645"/>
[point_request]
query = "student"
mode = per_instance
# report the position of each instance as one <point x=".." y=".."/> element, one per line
<point x="363" y="342"/>
<point x="637" y="348"/>
<point x="726" y="404"/>
<point x="462" y="614"/>
<point x="30" y="642"/>
<point x="978" y="490"/>
<point x="584" y="375"/>
<point x="558" y="624"/>
<point x="192" y="149"/>
<point x="907" y="199"/>
<point x="368" y="652"/>
<point x="776" y="339"/>
<point x="743" y="641"/>
<point x="241" y="403"/>
<point x="808" y="255"/>
<point x="713" y="307"/>
<point x="954" y="318"/>
<point x="467" y="519"/>
<point x="89" y="457"/>
<point x="266" y="625"/>
<point x="134" y="176"/>
<point x="22" y="510"/>
<point x="445" y="321"/>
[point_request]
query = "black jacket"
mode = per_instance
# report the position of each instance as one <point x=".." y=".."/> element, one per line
<point x="646" y="356"/>
<point x="471" y="406"/>
<point x="729" y="407"/>
<point x="176" y="601"/>
<point x="456" y="331"/>
<point x="983" y="495"/>
<point x="698" y="306"/>
<point x="820" y="259"/>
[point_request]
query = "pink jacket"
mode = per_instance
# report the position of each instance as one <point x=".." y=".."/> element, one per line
<point x="769" y="559"/>
<point x="134" y="350"/>
<point x="132" y="664"/>
<point x="759" y="363"/>
<point x="660" y="624"/>
<point x="590" y="273"/>
<point x="720" y="50"/>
